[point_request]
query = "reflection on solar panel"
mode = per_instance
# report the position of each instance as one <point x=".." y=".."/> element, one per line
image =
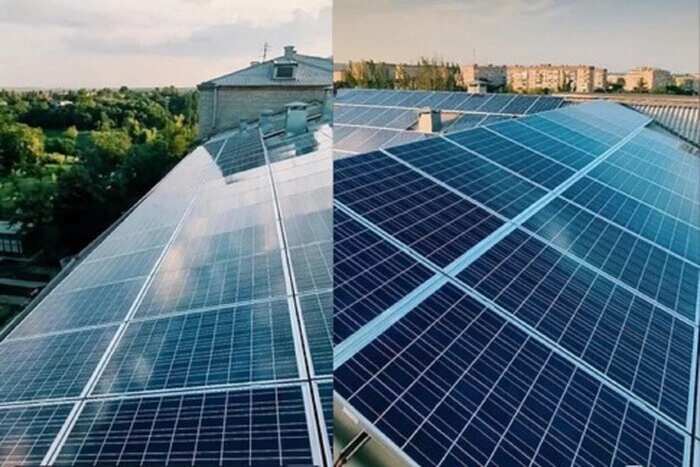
<point x="198" y="331"/>
<point x="525" y="293"/>
<point x="366" y="120"/>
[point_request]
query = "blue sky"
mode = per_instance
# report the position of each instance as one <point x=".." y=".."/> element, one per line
<point x="614" y="34"/>
<point x="143" y="43"/>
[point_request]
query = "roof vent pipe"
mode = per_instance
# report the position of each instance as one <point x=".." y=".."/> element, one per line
<point x="289" y="52"/>
<point x="327" y="113"/>
<point x="429" y="121"/>
<point x="296" y="121"/>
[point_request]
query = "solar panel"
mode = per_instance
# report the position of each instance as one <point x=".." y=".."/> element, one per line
<point x="565" y="333"/>
<point x="198" y="330"/>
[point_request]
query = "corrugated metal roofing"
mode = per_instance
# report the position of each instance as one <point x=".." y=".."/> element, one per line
<point x="310" y="71"/>
<point x="681" y="119"/>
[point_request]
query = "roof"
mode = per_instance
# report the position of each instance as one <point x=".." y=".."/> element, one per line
<point x="205" y="315"/>
<point x="310" y="71"/>
<point x="371" y="119"/>
<point x="684" y="120"/>
<point x="522" y="293"/>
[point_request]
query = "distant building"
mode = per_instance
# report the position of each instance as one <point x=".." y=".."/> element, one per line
<point x="556" y="78"/>
<point x="479" y="86"/>
<point x="494" y="75"/>
<point x="688" y="82"/>
<point x="339" y="70"/>
<point x="242" y="95"/>
<point x="650" y="78"/>
<point x="600" y="78"/>
<point x="11" y="240"/>
<point x="613" y="78"/>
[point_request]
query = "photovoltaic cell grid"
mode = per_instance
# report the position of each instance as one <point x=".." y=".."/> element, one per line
<point x="568" y="334"/>
<point x="208" y="326"/>
<point x="512" y="104"/>
<point x="366" y="120"/>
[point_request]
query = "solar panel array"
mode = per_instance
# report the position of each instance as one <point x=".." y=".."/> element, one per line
<point x="367" y="120"/>
<point x="198" y="331"/>
<point x="525" y="293"/>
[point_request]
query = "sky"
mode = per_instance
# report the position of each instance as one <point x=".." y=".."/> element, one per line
<point x="613" y="34"/>
<point x="147" y="43"/>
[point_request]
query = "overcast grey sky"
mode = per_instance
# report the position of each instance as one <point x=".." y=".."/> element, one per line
<point x="143" y="43"/>
<point x="614" y="34"/>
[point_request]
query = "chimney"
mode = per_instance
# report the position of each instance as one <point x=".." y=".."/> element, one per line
<point x="327" y="113"/>
<point x="266" y="121"/>
<point x="297" y="116"/>
<point x="289" y="52"/>
<point x="429" y="121"/>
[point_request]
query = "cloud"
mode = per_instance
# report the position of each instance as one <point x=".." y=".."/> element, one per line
<point x="67" y="43"/>
<point x="242" y="37"/>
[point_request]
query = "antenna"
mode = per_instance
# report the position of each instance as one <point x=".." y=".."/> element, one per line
<point x="266" y="47"/>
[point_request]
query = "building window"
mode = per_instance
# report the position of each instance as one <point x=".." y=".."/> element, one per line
<point x="284" y="71"/>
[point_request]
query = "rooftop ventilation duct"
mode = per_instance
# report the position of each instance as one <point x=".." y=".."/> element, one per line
<point x="429" y="121"/>
<point x="297" y="118"/>
<point x="289" y="52"/>
<point x="327" y="113"/>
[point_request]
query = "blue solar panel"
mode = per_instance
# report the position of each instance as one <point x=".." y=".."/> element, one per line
<point x="560" y="152"/>
<point x="436" y="222"/>
<point x="623" y="255"/>
<point x="27" y="432"/>
<point x="596" y="320"/>
<point x="196" y="330"/>
<point x="544" y="103"/>
<point x="467" y="121"/>
<point x="85" y="307"/>
<point x="566" y="135"/>
<point x="241" y="344"/>
<point x="568" y="333"/>
<point x="251" y="427"/>
<point x="519" y="105"/>
<point x="52" y="366"/>
<point x="369" y="275"/>
<point x="496" y="103"/>
<point x="470" y="174"/>
<point x="541" y="170"/>
<point x="453" y="382"/>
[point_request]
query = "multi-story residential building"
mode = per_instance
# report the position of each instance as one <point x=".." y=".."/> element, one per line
<point x="647" y="78"/>
<point x="600" y="78"/>
<point x="494" y="75"/>
<point x="613" y="78"/>
<point x="580" y="78"/>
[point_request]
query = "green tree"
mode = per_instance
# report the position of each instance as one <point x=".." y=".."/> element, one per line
<point x="111" y="145"/>
<point x="20" y="144"/>
<point x="641" y="86"/>
<point x="71" y="132"/>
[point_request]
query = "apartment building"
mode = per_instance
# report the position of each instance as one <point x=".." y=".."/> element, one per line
<point x="600" y="78"/>
<point x="578" y="78"/>
<point x="649" y="78"/>
<point x="494" y="75"/>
